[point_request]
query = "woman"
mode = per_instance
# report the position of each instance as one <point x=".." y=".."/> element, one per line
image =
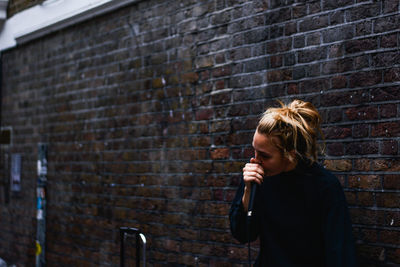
<point x="300" y="212"/>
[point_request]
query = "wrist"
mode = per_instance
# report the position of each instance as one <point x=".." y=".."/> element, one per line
<point x="247" y="188"/>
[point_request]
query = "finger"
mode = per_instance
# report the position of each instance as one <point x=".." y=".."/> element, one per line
<point x="253" y="176"/>
<point x="254" y="160"/>
<point x="257" y="181"/>
<point x="253" y="173"/>
<point x="254" y="167"/>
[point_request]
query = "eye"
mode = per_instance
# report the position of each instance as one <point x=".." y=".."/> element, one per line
<point x="262" y="154"/>
<point x="265" y="156"/>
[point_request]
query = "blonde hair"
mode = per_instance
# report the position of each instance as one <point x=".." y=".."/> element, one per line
<point x="296" y="125"/>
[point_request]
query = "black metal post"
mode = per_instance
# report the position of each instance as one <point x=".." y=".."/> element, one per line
<point x="137" y="249"/>
<point x="122" y="233"/>
<point x="121" y="253"/>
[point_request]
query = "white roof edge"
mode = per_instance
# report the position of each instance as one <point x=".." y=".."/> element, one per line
<point x="53" y="15"/>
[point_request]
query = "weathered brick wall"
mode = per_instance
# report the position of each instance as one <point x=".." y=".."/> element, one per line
<point x="15" y="6"/>
<point x="149" y="113"/>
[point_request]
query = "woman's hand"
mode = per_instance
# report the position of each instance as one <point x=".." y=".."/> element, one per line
<point x="252" y="172"/>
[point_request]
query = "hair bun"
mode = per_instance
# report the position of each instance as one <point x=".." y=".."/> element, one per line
<point x="296" y="124"/>
<point x="307" y="111"/>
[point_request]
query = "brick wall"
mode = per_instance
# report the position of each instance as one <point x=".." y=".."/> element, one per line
<point x="15" y="6"/>
<point x="149" y="112"/>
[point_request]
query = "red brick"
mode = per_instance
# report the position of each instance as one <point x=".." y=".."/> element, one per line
<point x="282" y="45"/>
<point x="365" y="181"/>
<point x="389" y="40"/>
<point x="360" y="130"/>
<point x="388" y="111"/>
<point x="388" y="200"/>
<point x="339" y="33"/>
<point x="276" y="61"/>
<point x="221" y="98"/>
<point x="220" y="84"/>
<point x="391" y="75"/>
<point x="363" y="28"/>
<point x="338" y="165"/>
<point x="367" y="216"/>
<point x="385" y="93"/>
<point x="392" y="218"/>
<point x="395" y="165"/>
<point x="292" y="88"/>
<point x="360" y="45"/>
<point x="389" y="237"/>
<point x="333" y="115"/>
<point x="353" y="97"/>
<point x="339" y="82"/>
<point x="393" y="255"/>
<point x="238" y="110"/>
<point x="336" y="50"/>
<point x="335" y="149"/>
<point x="315" y="85"/>
<point x="390" y="6"/>
<point x="191" y="77"/>
<point x="366" y="199"/>
<point x="313" y="23"/>
<point x="205" y="62"/>
<point x="351" y="198"/>
<point x="336" y="132"/>
<point x="386" y="129"/>
<point x="361" y="79"/>
<point x="279" y="75"/>
<point x="337" y="66"/>
<point x="362" y="113"/>
<point x="380" y="164"/>
<point x="385" y="59"/>
<point x="370" y="235"/>
<point x="234" y="166"/>
<point x="230" y="195"/>
<point x="204" y="114"/>
<point x="361" y="148"/>
<point x="221" y="71"/>
<point x="299" y="11"/>
<point x="391" y="181"/>
<point x="219" y="153"/>
<point x="371" y="254"/>
<point x="312" y="54"/>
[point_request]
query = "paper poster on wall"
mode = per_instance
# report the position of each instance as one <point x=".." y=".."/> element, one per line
<point x="16" y="172"/>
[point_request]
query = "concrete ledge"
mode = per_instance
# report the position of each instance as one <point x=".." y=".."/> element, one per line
<point x="53" y="15"/>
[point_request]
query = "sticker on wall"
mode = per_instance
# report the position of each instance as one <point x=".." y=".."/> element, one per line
<point x="38" y="248"/>
<point x="16" y="172"/>
<point x="42" y="166"/>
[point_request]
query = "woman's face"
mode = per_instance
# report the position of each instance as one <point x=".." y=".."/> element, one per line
<point x="269" y="156"/>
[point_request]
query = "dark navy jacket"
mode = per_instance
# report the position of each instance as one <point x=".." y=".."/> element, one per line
<point x="301" y="218"/>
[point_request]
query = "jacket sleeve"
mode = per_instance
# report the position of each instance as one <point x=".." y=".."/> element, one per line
<point x="240" y="222"/>
<point x="337" y="230"/>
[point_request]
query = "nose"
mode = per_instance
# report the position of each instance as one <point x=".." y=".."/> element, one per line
<point x="257" y="156"/>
